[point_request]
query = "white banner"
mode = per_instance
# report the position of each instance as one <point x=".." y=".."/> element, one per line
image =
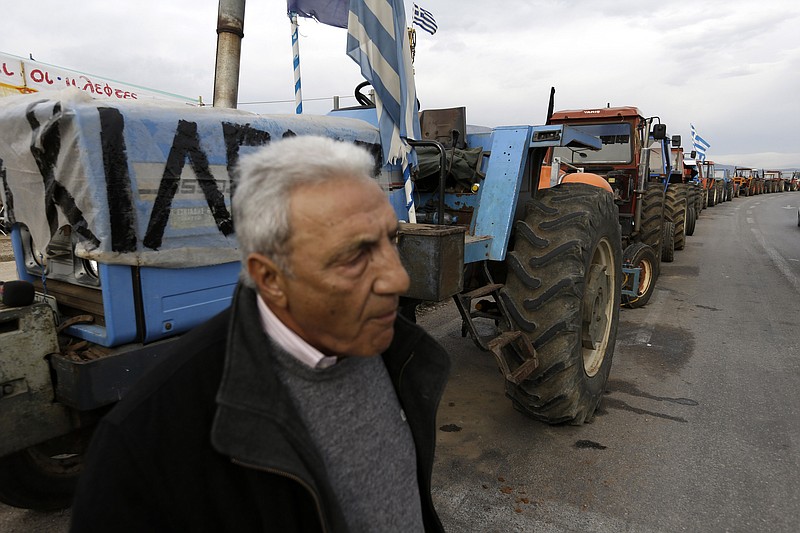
<point x="139" y="183"/>
<point x="23" y="76"/>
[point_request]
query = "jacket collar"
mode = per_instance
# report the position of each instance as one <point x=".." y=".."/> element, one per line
<point x="256" y="423"/>
<point x="251" y="399"/>
<point x="251" y="395"/>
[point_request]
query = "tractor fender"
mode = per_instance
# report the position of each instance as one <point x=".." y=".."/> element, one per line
<point x="589" y="179"/>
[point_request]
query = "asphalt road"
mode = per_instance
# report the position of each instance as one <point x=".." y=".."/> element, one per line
<point x="700" y="426"/>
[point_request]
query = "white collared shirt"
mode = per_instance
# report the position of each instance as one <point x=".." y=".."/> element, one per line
<point x="291" y="341"/>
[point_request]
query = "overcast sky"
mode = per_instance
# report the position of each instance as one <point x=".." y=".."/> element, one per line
<point x="732" y="68"/>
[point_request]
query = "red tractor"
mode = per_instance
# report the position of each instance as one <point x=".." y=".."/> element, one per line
<point x="634" y="163"/>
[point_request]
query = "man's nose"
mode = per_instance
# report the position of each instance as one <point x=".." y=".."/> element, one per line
<point x="392" y="277"/>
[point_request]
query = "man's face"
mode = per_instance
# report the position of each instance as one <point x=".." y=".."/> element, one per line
<point x="346" y="279"/>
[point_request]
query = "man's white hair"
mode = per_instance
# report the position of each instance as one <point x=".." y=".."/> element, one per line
<point x="266" y="180"/>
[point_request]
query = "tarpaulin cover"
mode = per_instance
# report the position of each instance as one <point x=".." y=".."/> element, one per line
<point x="462" y="167"/>
<point x="140" y="183"/>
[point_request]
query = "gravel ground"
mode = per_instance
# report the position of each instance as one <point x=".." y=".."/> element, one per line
<point x="5" y="249"/>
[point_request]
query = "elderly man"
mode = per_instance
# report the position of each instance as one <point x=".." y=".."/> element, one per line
<point x="309" y="405"/>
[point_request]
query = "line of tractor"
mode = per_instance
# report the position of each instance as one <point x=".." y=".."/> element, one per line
<point x="659" y="188"/>
<point x="123" y="237"/>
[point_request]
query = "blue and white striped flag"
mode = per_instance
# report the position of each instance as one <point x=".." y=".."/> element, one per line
<point x="424" y="20"/>
<point x="333" y="12"/>
<point x="700" y="145"/>
<point x="378" y="41"/>
<point x="298" y="89"/>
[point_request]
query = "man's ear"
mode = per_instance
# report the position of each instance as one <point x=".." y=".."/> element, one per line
<point x="269" y="279"/>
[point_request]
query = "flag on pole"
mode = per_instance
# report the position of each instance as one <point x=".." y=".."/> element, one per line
<point x="378" y="41"/>
<point x="332" y="12"/>
<point x="700" y="145"/>
<point x="298" y="91"/>
<point x="424" y="20"/>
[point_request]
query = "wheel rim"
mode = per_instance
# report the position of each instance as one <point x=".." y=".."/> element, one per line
<point x="645" y="277"/>
<point x="598" y="307"/>
<point x="55" y="463"/>
<point x="685" y="218"/>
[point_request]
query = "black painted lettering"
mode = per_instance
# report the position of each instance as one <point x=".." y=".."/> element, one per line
<point x="377" y="155"/>
<point x="186" y="143"/>
<point x="237" y="135"/>
<point x="9" y="204"/>
<point x="45" y="147"/>
<point x="118" y="181"/>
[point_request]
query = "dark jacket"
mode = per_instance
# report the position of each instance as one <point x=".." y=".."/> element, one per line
<point x="209" y="440"/>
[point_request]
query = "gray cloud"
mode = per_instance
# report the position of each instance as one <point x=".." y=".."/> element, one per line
<point x="732" y="68"/>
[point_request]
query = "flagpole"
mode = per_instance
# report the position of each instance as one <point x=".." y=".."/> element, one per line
<point x="412" y="41"/>
<point x="298" y="92"/>
<point x="384" y="55"/>
<point x="408" y="184"/>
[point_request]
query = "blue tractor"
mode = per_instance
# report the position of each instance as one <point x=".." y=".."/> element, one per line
<point x="120" y="218"/>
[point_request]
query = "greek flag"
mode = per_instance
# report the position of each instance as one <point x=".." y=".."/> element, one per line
<point x="332" y="12"/>
<point x="700" y="145"/>
<point x="378" y="41"/>
<point x="424" y="20"/>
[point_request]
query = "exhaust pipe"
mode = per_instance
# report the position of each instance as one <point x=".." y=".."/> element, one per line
<point x="230" y="32"/>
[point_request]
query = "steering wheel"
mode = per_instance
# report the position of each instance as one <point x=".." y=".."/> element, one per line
<point x="362" y="98"/>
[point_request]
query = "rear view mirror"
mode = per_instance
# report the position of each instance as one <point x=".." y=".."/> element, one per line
<point x="659" y="131"/>
<point x="676" y="141"/>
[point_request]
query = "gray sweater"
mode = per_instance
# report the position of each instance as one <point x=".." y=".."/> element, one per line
<point x="355" y="421"/>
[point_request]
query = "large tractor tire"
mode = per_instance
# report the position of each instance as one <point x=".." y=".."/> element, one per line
<point x="675" y="209"/>
<point x="563" y="292"/>
<point x="43" y="477"/>
<point x="695" y="198"/>
<point x="641" y="256"/>
<point x="668" y="242"/>
<point x="652" y="217"/>
<point x="691" y="220"/>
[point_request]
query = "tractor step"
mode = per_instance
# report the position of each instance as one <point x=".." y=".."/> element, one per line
<point x="631" y="274"/>
<point x="486" y="309"/>
<point x="480" y="292"/>
<point x="523" y="351"/>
